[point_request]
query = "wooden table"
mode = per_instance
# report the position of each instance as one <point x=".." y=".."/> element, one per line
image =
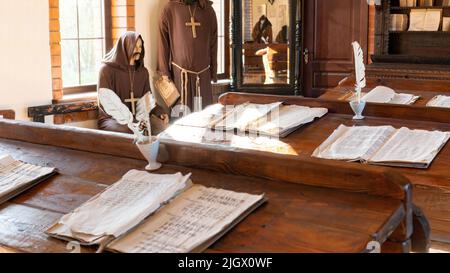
<point x="426" y="89"/>
<point x="333" y="210"/>
<point x="431" y="186"/>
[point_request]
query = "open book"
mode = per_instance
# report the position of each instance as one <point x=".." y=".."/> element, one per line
<point x="440" y="101"/>
<point x="383" y="145"/>
<point x="274" y="119"/>
<point x="17" y="177"/>
<point x="425" y="19"/>
<point x="151" y="213"/>
<point x="383" y="94"/>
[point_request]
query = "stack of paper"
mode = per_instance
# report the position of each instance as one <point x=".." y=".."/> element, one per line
<point x="16" y="176"/>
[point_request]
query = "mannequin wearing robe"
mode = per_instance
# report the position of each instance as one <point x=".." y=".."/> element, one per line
<point x="177" y="45"/>
<point x="117" y="74"/>
<point x="262" y="31"/>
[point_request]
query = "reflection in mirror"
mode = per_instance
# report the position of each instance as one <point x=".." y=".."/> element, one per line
<point x="265" y="42"/>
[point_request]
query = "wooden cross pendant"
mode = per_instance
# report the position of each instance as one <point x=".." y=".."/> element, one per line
<point x="133" y="101"/>
<point x="194" y="26"/>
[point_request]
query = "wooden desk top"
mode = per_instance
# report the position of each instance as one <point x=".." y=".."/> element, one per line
<point x="297" y="218"/>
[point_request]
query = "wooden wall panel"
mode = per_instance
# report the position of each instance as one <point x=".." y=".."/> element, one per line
<point x="330" y="28"/>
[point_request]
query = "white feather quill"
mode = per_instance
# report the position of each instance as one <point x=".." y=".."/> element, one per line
<point x="360" y="69"/>
<point x="114" y="107"/>
<point x="144" y="106"/>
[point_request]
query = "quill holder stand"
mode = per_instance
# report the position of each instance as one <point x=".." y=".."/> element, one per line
<point x="150" y="151"/>
<point x="358" y="108"/>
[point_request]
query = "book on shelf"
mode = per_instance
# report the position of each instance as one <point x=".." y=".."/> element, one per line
<point x="17" y="176"/>
<point x="383" y="145"/>
<point x="399" y="22"/>
<point x="446" y="24"/>
<point x="425" y="19"/>
<point x="426" y="3"/>
<point x="152" y="213"/>
<point x="439" y="101"/>
<point x="274" y="119"/>
<point x="408" y="3"/>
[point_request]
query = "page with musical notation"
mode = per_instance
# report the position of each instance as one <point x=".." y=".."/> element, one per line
<point x="193" y="218"/>
<point x="16" y="176"/>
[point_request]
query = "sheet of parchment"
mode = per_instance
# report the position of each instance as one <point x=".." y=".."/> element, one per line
<point x="354" y="143"/>
<point x="243" y="115"/>
<point x="286" y="118"/>
<point x="412" y="146"/>
<point x="15" y="174"/>
<point x="440" y="101"/>
<point x="191" y="219"/>
<point x="123" y="205"/>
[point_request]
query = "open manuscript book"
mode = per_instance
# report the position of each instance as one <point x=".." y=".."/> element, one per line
<point x="383" y="94"/>
<point x="383" y="145"/>
<point x="440" y="101"/>
<point x="274" y="119"/>
<point x="17" y="177"/>
<point x="150" y="213"/>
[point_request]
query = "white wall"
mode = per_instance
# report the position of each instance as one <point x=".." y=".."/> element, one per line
<point x="25" y="68"/>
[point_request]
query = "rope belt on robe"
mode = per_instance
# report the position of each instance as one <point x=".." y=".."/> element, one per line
<point x="185" y="81"/>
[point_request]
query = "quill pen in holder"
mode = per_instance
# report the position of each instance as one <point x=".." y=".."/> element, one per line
<point x="113" y="106"/>
<point x="358" y="105"/>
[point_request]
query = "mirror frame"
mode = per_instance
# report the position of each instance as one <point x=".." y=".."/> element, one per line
<point x="295" y="49"/>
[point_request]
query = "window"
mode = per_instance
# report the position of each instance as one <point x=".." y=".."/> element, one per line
<point x="222" y="9"/>
<point x="83" y="43"/>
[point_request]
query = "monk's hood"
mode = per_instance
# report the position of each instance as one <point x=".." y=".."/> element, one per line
<point x="122" y="52"/>
<point x="202" y="3"/>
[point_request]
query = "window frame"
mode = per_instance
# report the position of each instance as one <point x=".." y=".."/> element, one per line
<point x="227" y="45"/>
<point x="107" y="25"/>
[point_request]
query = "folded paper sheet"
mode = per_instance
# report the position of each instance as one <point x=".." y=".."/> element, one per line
<point x="123" y="205"/>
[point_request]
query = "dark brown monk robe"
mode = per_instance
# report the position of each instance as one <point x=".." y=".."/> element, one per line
<point x="262" y="31"/>
<point x="118" y="75"/>
<point x="188" y="48"/>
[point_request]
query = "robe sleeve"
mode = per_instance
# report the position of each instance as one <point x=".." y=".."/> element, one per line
<point x="163" y="65"/>
<point x="106" y="122"/>
<point x="214" y="42"/>
<point x="105" y="78"/>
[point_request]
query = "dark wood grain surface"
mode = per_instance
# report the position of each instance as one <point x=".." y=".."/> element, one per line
<point x="297" y="218"/>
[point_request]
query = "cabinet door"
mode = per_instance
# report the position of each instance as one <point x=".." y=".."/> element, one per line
<point x="330" y="28"/>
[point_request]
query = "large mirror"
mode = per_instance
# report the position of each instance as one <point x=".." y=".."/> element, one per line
<point x="265" y="46"/>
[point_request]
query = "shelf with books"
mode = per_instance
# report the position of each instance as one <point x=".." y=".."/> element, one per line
<point x="395" y="43"/>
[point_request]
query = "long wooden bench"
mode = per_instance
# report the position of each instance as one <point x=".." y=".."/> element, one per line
<point x="8" y="114"/>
